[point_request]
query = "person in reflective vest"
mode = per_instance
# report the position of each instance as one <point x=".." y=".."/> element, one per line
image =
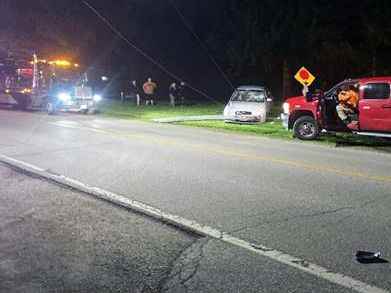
<point x="347" y="103"/>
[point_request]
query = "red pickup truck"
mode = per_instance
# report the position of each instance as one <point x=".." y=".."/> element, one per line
<point x="309" y="116"/>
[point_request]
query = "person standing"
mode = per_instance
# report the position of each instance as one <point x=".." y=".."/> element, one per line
<point x="149" y="88"/>
<point x="347" y="103"/>
<point x="136" y="91"/>
<point x="173" y="91"/>
<point x="181" y="93"/>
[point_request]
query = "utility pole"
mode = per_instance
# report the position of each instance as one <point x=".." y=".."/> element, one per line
<point x="286" y="88"/>
<point x="35" y="72"/>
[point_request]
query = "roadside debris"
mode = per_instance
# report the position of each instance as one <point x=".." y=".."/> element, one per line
<point x="369" y="257"/>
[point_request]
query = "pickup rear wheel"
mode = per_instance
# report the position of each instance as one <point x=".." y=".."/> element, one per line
<point x="305" y="128"/>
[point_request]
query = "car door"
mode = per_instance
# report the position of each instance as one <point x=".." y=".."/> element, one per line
<point x="375" y="107"/>
<point x="330" y="118"/>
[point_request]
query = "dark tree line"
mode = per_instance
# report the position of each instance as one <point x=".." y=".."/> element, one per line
<point x="335" y="39"/>
<point x="252" y="40"/>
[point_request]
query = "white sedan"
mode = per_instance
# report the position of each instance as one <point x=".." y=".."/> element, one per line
<point x="248" y="104"/>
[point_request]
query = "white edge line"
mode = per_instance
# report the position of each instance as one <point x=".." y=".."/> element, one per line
<point x="194" y="227"/>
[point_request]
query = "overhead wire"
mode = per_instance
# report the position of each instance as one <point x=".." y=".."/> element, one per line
<point x="202" y="44"/>
<point x="141" y="52"/>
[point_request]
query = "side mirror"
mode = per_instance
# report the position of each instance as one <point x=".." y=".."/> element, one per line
<point x="310" y="97"/>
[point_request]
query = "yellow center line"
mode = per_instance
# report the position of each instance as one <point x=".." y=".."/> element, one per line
<point x="233" y="153"/>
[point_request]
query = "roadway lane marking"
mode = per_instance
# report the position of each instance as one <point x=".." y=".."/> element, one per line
<point x="195" y="227"/>
<point x="67" y="123"/>
<point x="76" y="125"/>
<point x="234" y="153"/>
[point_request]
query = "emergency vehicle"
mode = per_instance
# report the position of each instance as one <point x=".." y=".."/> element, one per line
<point x="51" y="85"/>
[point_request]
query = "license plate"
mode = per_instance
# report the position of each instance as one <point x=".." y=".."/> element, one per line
<point x="242" y="113"/>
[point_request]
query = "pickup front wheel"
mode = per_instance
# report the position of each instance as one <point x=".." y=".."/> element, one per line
<point x="305" y="128"/>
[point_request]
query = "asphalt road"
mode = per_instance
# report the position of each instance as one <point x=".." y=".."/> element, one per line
<point x="55" y="240"/>
<point x="311" y="201"/>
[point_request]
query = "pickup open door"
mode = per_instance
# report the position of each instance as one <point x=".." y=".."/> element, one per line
<point x="375" y="107"/>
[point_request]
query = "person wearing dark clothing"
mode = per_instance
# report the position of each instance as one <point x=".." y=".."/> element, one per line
<point x="181" y="93"/>
<point x="173" y="92"/>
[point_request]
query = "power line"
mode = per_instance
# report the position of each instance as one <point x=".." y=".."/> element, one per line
<point x="188" y="26"/>
<point x="141" y="52"/>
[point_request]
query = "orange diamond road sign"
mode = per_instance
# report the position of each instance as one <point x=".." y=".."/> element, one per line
<point x="304" y="77"/>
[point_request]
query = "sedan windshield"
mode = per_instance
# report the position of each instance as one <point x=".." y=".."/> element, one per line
<point x="248" y="96"/>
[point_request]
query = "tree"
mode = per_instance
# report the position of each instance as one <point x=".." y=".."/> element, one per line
<point x="377" y="34"/>
<point x="334" y="39"/>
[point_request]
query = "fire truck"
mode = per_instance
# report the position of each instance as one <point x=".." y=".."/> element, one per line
<point x="50" y="85"/>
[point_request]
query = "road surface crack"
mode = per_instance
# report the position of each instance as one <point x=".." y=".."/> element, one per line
<point x="322" y="213"/>
<point x="184" y="267"/>
<point x="302" y="216"/>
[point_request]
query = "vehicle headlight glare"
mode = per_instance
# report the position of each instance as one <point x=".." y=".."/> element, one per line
<point x="285" y="108"/>
<point x="64" y="97"/>
<point x="97" y="98"/>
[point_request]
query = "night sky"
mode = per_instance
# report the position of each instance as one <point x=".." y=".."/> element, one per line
<point x="250" y="39"/>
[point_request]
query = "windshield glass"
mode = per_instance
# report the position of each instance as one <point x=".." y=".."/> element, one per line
<point x="63" y="75"/>
<point x="248" y="96"/>
<point x="56" y="77"/>
<point x="335" y="88"/>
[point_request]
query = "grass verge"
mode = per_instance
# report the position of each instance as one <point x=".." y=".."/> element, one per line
<point x="272" y="128"/>
<point x="127" y="110"/>
<point x="147" y="113"/>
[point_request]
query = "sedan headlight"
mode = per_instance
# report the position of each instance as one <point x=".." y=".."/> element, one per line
<point x="97" y="98"/>
<point x="285" y="108"/>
